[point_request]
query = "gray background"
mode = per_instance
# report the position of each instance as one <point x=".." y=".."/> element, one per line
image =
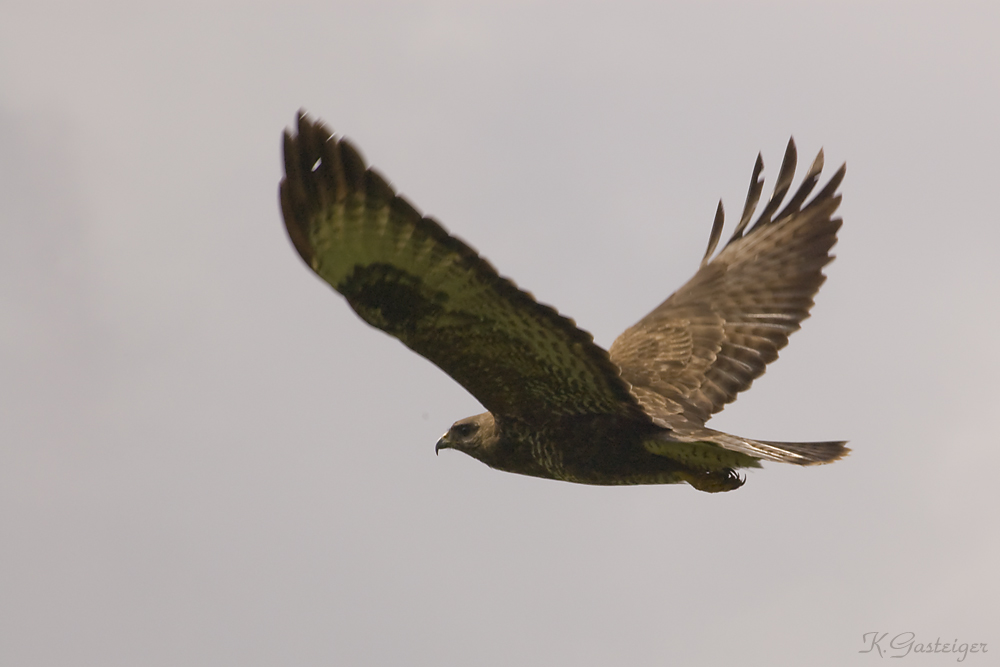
<point x="207" y="459"/>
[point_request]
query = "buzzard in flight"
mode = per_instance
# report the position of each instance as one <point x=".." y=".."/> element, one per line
<point x="561" y="407"/>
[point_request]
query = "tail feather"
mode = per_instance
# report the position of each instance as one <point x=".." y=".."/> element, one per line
<point x="812" y="453"/>
<point x="800" y="453"/>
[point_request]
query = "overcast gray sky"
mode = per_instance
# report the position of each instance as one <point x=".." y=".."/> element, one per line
<point x="207" y="459"/>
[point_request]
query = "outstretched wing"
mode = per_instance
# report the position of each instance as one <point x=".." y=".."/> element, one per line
<point x="706" y="343"/>
<point x="404" y="274"/>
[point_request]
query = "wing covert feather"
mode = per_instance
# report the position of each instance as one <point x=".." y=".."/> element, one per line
<point x="404" y="274"/>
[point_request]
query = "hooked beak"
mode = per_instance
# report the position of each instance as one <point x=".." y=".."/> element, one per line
<point x="442" y="444"/>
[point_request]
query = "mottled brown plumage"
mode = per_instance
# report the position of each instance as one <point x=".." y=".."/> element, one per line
<point x="561" y="407"/>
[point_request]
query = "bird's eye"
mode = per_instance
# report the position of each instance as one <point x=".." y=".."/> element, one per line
<point x="465" y="430"/>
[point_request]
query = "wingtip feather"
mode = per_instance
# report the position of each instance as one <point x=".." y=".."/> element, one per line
<point x="716" y="233"/>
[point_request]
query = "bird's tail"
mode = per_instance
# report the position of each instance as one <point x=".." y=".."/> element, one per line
<point x="676" y="445"/>
<point x="800" y="453"/>
<point x="810" y="453"/>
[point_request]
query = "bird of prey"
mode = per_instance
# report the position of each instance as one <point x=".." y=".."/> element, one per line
<point x="560" y="407"/>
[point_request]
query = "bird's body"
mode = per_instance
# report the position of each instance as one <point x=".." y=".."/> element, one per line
<point x="604" y="450"/>
<point x="560" y="407"/>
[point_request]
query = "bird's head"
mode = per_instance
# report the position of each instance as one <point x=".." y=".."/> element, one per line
<point x="476" y="436"/>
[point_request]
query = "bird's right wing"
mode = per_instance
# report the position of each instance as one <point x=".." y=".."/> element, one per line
<point x="404" y="274"/>
<point x="707" y="342"/>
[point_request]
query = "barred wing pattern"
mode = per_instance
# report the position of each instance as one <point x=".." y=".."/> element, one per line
<point x="696" y="351"/>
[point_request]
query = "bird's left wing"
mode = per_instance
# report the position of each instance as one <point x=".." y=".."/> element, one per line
<point x="709" y="340"/>
<point x="404" y="274"/>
